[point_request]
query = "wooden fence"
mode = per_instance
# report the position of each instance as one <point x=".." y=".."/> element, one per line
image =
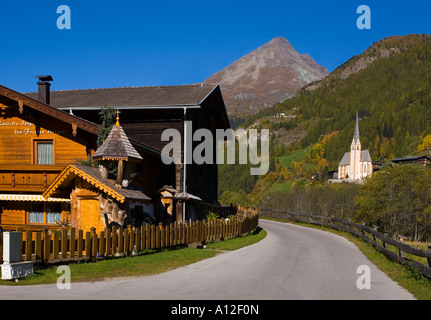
<point x="400" y="251"/>
<point x="71" y="244"/>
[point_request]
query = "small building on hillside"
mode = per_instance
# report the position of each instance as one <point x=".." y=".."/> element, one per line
<point x="422" y="160"/>
<point x="355" y="165"/>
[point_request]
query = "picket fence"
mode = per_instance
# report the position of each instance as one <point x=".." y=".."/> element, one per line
<point x="71" y="244"/>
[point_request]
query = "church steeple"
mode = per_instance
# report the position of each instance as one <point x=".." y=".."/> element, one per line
<point x="356" y="132"/>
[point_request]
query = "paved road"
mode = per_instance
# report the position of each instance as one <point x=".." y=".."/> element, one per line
<point x="292" y="262"/>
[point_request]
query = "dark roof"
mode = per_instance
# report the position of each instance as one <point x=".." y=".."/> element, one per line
<point x="116" y="146"/>
<point x="92" y="175"/>
<point x="123" y="97"/>
<point x="410" y="159"/>
<point x="32" y="102"/>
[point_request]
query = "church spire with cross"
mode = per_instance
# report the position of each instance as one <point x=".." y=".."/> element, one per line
<point x="356" y="132"/>
<point x="356" y="164"/>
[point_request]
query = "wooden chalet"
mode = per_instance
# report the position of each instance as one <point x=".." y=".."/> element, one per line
<point x="145" y="113"/>
<point x="44" y="134"/>
<point x="36" y="142"/>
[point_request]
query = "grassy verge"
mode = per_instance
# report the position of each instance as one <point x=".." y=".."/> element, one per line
<point x="410" y="279"/>
<point x="238" y="242"/>
<point x="148" y="262"/>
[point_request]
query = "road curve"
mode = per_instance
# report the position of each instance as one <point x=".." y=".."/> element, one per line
<point x="291" y="263"/>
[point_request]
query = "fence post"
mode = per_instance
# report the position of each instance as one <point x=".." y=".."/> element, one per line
<point x="138" y="239"/>
<point x="126" y="240"/>
<point x="385" y="233"/>
<point x="186" y="233"/>
<point x="108" y="244"/>
<point x="143" y="238"/>
<point x="102" y="242"/>
<point x="28" y="245"/>
<point x="21" y="247"/>
<point x="88" y="245"/>
<point x="95" y="242"/>
<point x="114" y="240"/>
<point x="120" y="241"/>
<point x="56" y="245"/>
<point x="131" y="239"/>
<point x="46" y="245"/>
<point x="147" y="236"/>
<point x="167" y="235"/>
<point x="153" y="236"/>
<point x="72" y="243"/>
<point x="162" y="235"/>
<point x="157" y="229"/>
<point x="401" y="253"/>
<point x="80" y="243"/>
<point x="38" y="246"/>
<point x="429" y="257"/>
<point x="63" y="243"/>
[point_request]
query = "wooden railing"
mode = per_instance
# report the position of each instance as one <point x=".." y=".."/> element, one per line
<point x="393" y="249"/>
<point x="70" y="244"/>
<point x="27" y="178"/>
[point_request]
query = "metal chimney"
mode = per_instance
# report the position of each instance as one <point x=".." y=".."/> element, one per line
<point x="44" y="92"/>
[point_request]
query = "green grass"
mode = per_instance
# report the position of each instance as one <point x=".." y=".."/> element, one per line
<point x="296" y="156"/>
<point x="238" y="242"/>
<point x="148" y="262"/>
<point x="407" y="277"/>
<point x="277" y="187"/>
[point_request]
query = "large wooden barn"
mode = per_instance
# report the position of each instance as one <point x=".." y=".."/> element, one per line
<point x="44" y="133"/>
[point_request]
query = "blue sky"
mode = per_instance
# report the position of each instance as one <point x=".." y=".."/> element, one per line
<point x="140" y="43"/>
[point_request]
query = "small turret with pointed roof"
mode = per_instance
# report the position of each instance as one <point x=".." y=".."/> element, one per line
<point x="117" y="147"/>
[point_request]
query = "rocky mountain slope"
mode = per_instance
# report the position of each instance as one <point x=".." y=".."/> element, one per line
<point x="265" y="76"/>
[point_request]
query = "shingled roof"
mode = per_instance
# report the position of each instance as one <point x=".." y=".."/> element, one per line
<point x="92" y="175"/>
<point x="123" y="97"/>
<point x="116" y="146"/>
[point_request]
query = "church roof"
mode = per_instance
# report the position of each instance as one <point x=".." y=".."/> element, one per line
<point x="365" y="157"/>
<point x="346" y="160"/>
<point x="116" y="146"/>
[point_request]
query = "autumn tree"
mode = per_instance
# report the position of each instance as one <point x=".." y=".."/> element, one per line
<point x="397" y="199"/>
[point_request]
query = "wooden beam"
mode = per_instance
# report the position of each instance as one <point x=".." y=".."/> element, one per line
<point x="74" y="129"/>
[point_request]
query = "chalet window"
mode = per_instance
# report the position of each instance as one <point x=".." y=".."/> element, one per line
<point x="44" y="212"/>
<point x="36" y="213"/>
<point x="53" y="212"/>
<point x="44" y="152"/>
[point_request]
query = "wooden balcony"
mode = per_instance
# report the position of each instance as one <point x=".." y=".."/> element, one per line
<point x="27" y="178"/>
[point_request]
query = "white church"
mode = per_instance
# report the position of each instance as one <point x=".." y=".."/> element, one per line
<point x="356" y="165"/>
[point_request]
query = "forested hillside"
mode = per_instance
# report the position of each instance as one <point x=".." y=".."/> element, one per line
<point x="389" y="85"/>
